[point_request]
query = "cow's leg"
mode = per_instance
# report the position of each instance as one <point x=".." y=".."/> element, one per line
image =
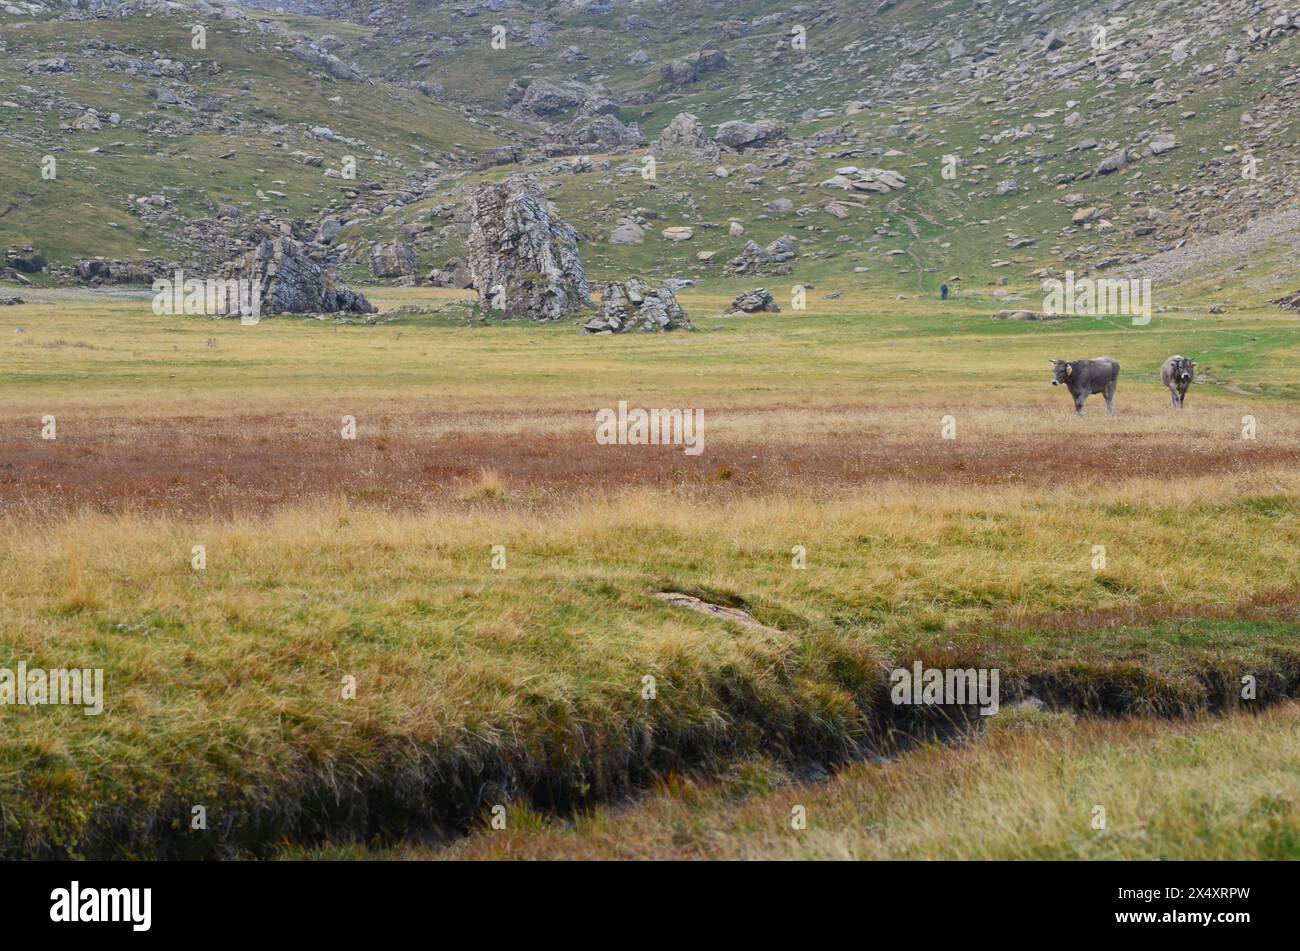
<point x="1078" y="404"/>
<point x="1110" y="400"/>
<point x="1173" y="393"/>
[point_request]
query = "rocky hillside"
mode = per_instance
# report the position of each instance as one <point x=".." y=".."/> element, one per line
<point x="899" y="142"/>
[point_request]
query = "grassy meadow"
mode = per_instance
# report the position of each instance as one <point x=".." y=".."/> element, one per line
<point x="371" y="562"/>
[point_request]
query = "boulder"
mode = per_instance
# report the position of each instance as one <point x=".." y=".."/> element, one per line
<point x="329" y="229"/>
<point x="757" y="301"/>
<point x="1289" y="302"/>
<point x="636" y="304"/>
<point x="524" y="257"/>
<point x="100" y="271"/>
<point x="688" y="69"/>
<point x="878" y="180"/>
<point x="26" y="260"/>
<point x="1113" y="162"/>
<point x="685" y="134"/>
<point x="544" y="97"/>
<point x="455" y="273"/>
<point x="294" y="283"/>
<point x="312" y="54"/>
<point x="86" y="122"/>
<point x="738" y="135"/>
<point x="606" y="132"/>
<point x="54" y="65"/>
<point x="628" y="232"/>
<point x="393" y="260"/>
<point x="1162" y="144"/>
<point x="1028" y="315"/>
<point x="754" y="258"/>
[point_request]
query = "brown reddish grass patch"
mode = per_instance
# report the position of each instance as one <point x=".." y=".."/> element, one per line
<point x="255" y="463"/>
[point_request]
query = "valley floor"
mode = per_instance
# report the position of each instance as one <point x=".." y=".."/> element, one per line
<point x="375" y="641"/>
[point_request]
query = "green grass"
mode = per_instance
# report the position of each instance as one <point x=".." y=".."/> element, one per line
<point x="87" y="209"/>
<point x="223" y="687"/>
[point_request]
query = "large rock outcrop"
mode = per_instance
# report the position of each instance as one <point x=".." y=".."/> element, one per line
<point x="545" y="97"/>
<point x="523" y="257"/>
<point x="757" y="301"/>
<point x="455" y="273"/>
<point x="774" y="258"/>
<point x="393" y="260"/>
<point x="636" y="304"/>
<point x="293" y="283"/>
<point x="686" y="135"/>
<point x="739" y="135"/>
<point x="688" y="69"/>
<point x="606" y="132"/>
<point x="27" y="260"/>
<point x="101" y="271"/>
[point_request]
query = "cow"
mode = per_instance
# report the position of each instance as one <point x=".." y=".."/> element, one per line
<point x="1177" y="374"/>
<point x="1085" y="377"/>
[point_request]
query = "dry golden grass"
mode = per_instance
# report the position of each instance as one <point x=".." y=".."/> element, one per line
<point x="527" y="680"/>
<point x="223" y="686"/>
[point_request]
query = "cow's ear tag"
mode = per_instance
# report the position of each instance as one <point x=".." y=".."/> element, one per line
<point x="1069" y="371"/>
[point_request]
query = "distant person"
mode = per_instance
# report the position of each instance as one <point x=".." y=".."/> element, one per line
<point x="943" y="292"/>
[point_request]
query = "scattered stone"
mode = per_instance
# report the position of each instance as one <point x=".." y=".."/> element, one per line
<point x="54" y="65"/>
<point x="101" y="271"/>
<point x="1027" y="315"/>
<point x="636" y="304"/>
<point x="718" y="611"/>
<point x="756" y="301"/>
<point x="878" y="180"/>
<point x="455" y="273"/>
<point x="1289" y="302"/>
<point x="26" y="260"/>
<point x="754" y="258"/>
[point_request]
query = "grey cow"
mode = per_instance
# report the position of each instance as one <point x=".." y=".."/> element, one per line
<point x="1085" y="377"/>
<point x="1177" y="374"/>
